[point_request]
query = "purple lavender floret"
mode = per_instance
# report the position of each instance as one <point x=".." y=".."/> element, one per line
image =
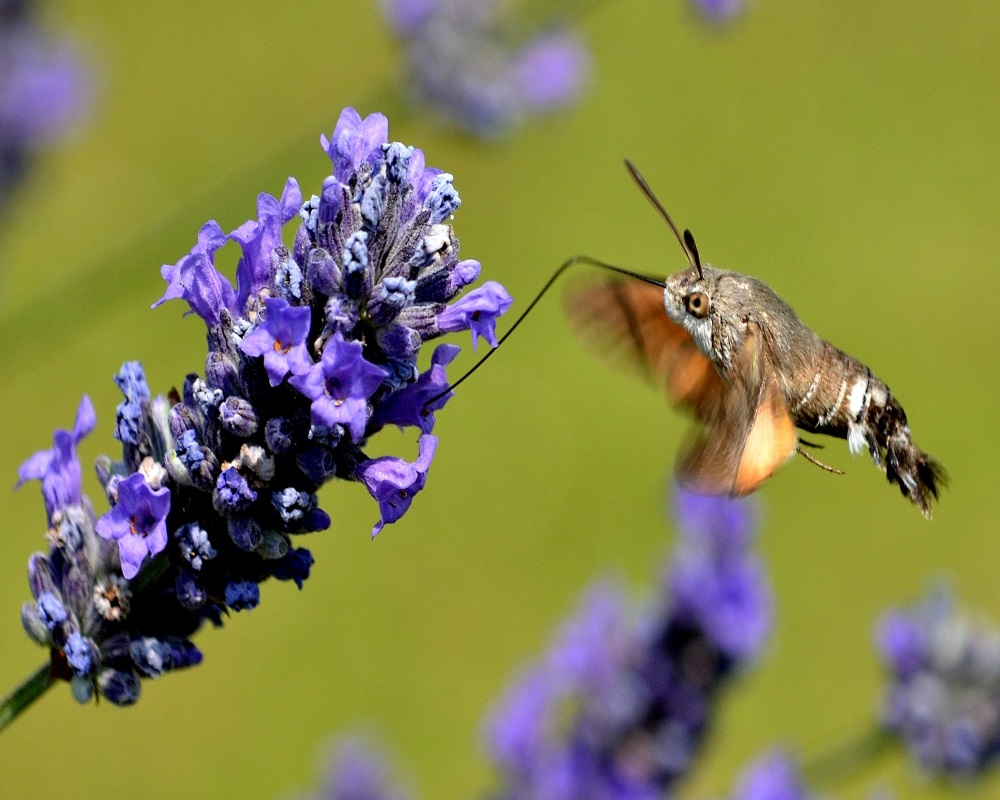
<point x="462" y="61"/>
<point x="310" y="354"/>
<point x="44" y="90"/>
<point x="720" y="11"/>
<point x="619" y="706"/>
<point x="943" y="698"/>
<point x="359" y="771"/>
<point x="774" y="776"/>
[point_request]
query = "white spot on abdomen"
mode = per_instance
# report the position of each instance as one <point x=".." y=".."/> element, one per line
<point x="856" y="399"/>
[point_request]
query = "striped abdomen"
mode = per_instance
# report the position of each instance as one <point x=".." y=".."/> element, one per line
<point x="842" y="397"/>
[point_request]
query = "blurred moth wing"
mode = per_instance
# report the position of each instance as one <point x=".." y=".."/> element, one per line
<point x="746" y="429"/>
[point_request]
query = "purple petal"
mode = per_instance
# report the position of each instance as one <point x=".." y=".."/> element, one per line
<point x="477" y="311"/>
<point x="393" y="482"/>
<point x="409" y="405"/>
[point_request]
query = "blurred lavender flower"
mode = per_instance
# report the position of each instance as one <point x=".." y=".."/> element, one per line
<point x="720" y="11"/>
<point x="944" y="695"/>
<point x="359" y="771"/>
<point x="43" y="90"/>
<point x="774" y="776"/>
<point x="483" y="66"/>
<point x="620" y="704"/>
<point x="310" y="355"/>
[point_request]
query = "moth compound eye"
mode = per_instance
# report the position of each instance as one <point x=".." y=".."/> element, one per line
<point x="697" y="304"/>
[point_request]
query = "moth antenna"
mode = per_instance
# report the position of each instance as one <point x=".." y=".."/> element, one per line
<point x="813" y="460"/>
<point x="687" y="240"/>
<point x="548" y="284"/>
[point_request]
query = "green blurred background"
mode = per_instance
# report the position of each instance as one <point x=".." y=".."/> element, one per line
<point x="846" y="152"/>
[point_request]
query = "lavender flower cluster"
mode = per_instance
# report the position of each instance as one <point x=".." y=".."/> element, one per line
<point x="944" y="697"/>
<point x="42" y="90"/>
<point x="620" y="704"/>
<point x="311" y="354"/>
<point x="469" y="60"/>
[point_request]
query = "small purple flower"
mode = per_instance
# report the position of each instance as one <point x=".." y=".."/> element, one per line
<point x="409" y="405"/>
<point x="393" y="482"/>
<point x="280" y="339"/>
<point x="359" y="772"/>
<point x="260" y="237"/>
<point x="354" y="142"/>
<point x="58" y="469"/>
<point x="340" y="385"/>
<point x="771" y="777"/>
<point x="137" y="522"/>
<point x="195" y="279"/>
<point x="478" y="310"/>
<point x="242" y="595"/>
<point x="719" y="11"/>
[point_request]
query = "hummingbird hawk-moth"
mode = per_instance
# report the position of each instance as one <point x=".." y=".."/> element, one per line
<point x="727" y="348"/>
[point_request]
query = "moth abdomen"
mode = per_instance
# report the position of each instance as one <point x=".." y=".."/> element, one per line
<point x="844" y="398"/>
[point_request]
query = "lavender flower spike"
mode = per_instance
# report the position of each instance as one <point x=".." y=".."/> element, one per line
<point x="462" y="61"/>
<point x="943" y="698"/>
<point x="313" y="351"/>
<point x="774" y="776"/>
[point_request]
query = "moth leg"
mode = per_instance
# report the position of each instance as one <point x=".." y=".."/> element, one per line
<point x="813" y="445"/>
<point x="812" y="460"/>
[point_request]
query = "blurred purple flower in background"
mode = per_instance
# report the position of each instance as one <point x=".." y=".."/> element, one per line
<point x="359" y="771"/>
<point x="43" y="91"/>
<point x="482" y="65"/>
<point x="943" y="699"/>
<point x="720" y="11"/>
<point x="774" y="776"/>
<point x="619" y="706"/>
<point x="217" y="480"/>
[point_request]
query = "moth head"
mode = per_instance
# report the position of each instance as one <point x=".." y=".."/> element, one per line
<point x="689" y="300"/>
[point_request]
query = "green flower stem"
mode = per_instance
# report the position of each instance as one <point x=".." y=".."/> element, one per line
<point x="25" y="694"/>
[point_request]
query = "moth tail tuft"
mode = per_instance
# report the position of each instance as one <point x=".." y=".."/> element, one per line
<point x="920" y="477"/>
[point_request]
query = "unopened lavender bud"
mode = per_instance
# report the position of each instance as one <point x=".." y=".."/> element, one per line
<point x="287" y="274"/>
<point x="238" y="417"/>
<point x="190" y="593"/>
<point x="120" y="688"/>
<point x="322" y="272"/>
<point x="317" y="463"/>
<point x="245" y="533"/>
<point x="373" y="201"/>
<point x="278" y="434"/>
<point x="433" y="248"/>
<point x="33" y="623"/>
<point x="397" y="161"/>
<point x="222" y="373"/>
<point x="443" y="200"/>
<point x="242" y="595"/>
<point x="82" y="689"/>
<point x="81" y="654"/>
<point x="273" y="546"/>
<point x="357" y="276"/>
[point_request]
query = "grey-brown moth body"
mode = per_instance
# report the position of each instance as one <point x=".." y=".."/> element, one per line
<point x="731" y="350"/>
